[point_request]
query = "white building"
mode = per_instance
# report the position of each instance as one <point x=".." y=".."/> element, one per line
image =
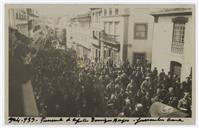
<point x="110" y="27"/>
<point x="18" y="19"/>
<point x="173" y="45"/>
<point x="63" y="30"/>
<point x="32" y="20"/>
<point x="140" y="34"/>
<point x="81" y="35"/>
<point x="23" y="19"/>
<point x="96" y="28"/>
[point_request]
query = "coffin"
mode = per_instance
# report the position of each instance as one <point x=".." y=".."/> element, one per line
<point x="159" y="109"/>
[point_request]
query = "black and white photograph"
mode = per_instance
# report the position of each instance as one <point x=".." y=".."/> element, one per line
<point x="100" y="60"/>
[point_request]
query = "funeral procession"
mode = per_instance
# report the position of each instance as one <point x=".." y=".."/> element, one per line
<point x="100" y="61"/>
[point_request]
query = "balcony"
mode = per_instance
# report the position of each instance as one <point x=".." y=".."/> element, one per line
<point x="32" y="12"/>
<point x="114" y="39"/>
<point x="21" y="16"/>
<point x="177" y="47"/>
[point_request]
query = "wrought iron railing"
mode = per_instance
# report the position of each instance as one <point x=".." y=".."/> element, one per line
<point x="177" y="47"/>
<point x="110" y="38"/>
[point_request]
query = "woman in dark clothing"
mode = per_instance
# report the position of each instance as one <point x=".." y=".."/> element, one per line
<point x="19" y="73"/>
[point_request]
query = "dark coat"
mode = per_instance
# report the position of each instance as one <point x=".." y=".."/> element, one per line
<point x="18" y="74"/>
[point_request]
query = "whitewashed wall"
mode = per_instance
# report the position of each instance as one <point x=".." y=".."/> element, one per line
<point x="135" y="45"/>
<point x="161" y="51"/>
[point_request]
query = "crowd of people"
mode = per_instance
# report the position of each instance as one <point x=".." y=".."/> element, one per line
<point x="129" y="90"/>
<point x="94" y="89"/>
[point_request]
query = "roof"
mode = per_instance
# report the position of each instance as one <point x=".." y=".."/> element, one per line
<point x="173" y="11"/>
<point x="95" y="8"/>
<point x="83" y="45"/>
<point x="85" y="15"/>
<point x="82" y="17"/>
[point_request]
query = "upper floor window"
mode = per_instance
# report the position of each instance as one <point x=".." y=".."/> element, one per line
<point x="111" y="28"/>
<point x="106" y="27"/>
<point x="116" y="11"/>
<point x="140" y="31"/>
<point x="96" y="17"/>
<point x="110" y="12"/>
<point x="178" y="34"/>
<point x="17" y="15"/>
<point x="116" y="28"/>
<point x="93" y="34"/>
<point x="105" y="12"/>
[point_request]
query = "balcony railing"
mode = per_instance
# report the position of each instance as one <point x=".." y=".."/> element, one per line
<point x="177" y="47"/>
<point x="110" y="38"/>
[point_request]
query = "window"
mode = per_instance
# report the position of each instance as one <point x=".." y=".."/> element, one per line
<point x="105" y="12"/>
<point x="110" y="28"/>
<point x="93" y="17"/>
<point x="106" y="27"/>
<point x="94" y="35"/>
<point x="116" y="28"/>
<point x="97" y="17"/>
<point x="17" y="15"/>
<point x="178" y="35"/>
<point x="116" y="11"/>
<point x="110" y="12"/>
<point x="140" y="31"/>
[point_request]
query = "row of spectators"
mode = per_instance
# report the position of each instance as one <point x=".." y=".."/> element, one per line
<point x="130" y="90"/>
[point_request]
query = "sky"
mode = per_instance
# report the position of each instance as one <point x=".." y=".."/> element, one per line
<point x="59" y="10"/>
<point x="73" y="9"/>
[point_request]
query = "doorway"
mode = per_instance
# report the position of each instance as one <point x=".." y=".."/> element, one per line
<point x="175" y="68"/>
<point x="139" y="56"/>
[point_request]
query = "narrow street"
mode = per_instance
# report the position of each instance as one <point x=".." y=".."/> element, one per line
<point x="87" y="65"/>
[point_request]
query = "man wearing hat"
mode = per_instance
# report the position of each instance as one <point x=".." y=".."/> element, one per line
<point x="139" y="112"/>
<point x="146" y="84"/>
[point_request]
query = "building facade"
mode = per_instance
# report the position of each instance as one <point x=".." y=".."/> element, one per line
<point x="18" y="19"/>
<point x="32" y="20"/>
<point x="96" y="28"/>
<point x="110" y="33"/>
<point x="23" y="19"/>
<point x="140" y="35"/>
<point x="80" y="38"/>
<point x="173" y="42"/>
